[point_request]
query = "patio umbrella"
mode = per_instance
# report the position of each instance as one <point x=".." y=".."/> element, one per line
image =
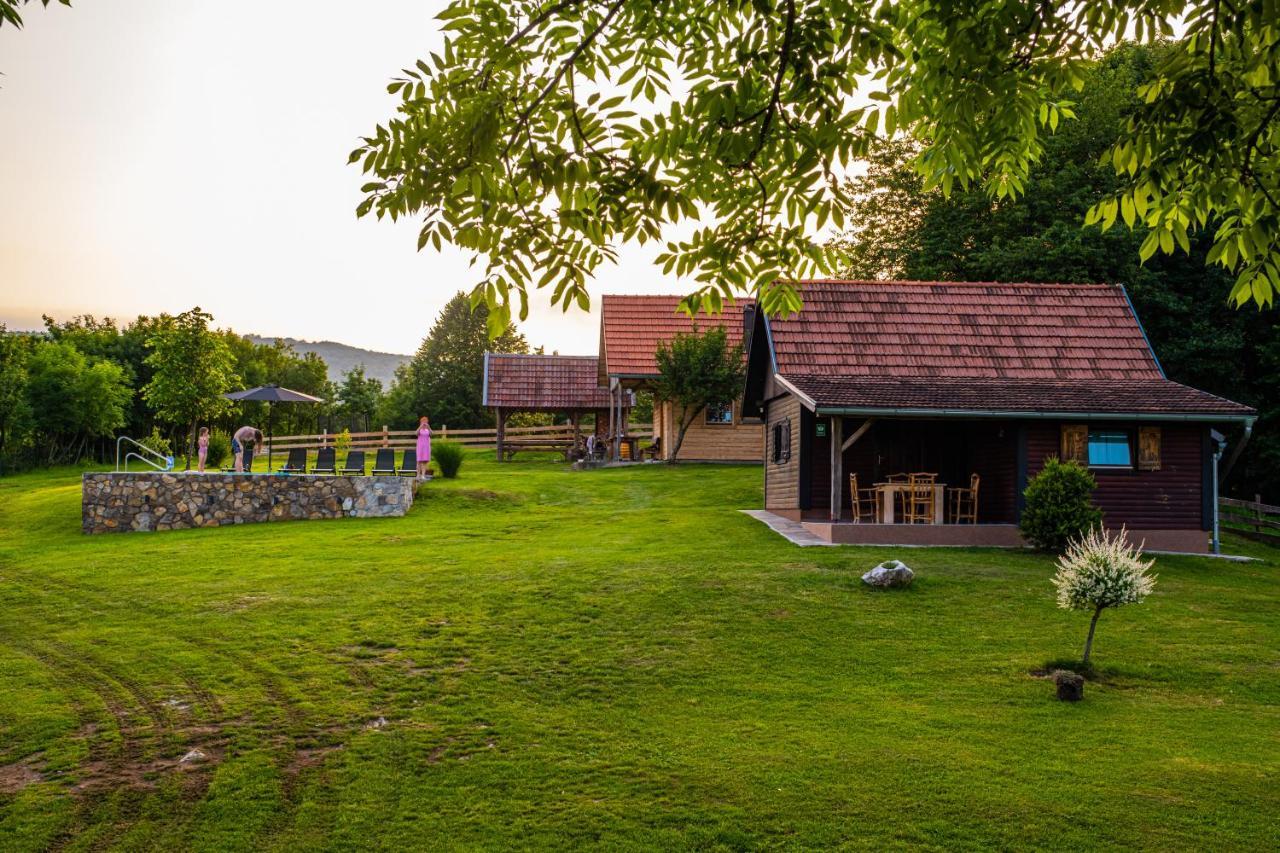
<point x="271" y="394"/>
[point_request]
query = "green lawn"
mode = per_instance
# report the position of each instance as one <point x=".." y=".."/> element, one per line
<point x="614" y="658"/>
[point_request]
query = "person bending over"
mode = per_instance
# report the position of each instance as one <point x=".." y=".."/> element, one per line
<point x="242" y="444"/>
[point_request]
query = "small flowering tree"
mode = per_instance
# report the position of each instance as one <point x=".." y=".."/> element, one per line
<point x="1100" y="571"/>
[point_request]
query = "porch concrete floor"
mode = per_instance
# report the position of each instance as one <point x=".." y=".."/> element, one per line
<point x="793" y="531"/>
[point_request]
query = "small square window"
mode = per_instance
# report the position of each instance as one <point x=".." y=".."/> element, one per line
<point x="1110" y="448"/>
<point x="720" y="414"/>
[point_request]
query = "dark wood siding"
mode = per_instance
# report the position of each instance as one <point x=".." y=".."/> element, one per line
<point x="1168" y="499"/>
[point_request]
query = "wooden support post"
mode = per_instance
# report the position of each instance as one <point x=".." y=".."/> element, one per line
<point x="837" y="467"/>
<point x="386" y="439"/>
<point x="502" y="433"/>
<point x="613" y="422"/>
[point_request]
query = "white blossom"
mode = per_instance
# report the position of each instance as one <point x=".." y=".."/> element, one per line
<point x="1100" y="570"/>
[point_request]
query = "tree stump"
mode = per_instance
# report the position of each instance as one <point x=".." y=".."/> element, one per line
<point x="1070" y="685"/>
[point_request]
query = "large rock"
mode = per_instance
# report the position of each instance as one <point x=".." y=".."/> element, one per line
<point x="894" y="573"/>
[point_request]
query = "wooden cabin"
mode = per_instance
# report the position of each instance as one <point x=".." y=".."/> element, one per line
<point x="631" y="327"/>
<point x="976" y="385"/>
<point x="563" y="385"/>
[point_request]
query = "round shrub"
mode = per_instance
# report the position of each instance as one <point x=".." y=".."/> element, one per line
<point x="1059" y="505"/>
<point x="219" y="450"/>
<point x="448" y="455"/>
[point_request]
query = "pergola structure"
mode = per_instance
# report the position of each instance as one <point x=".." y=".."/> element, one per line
<point x="559" y="384"/>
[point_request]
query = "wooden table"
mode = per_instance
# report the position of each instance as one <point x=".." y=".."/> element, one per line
<point x="886" y="492"/>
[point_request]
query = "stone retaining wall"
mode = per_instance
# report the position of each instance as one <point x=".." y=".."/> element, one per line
<point x="144" y="501"/>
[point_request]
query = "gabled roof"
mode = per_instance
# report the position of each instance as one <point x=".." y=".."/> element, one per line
<point x="542" y="382"/>
<point x="952" y="329"/>
<point x="632" y="326"/>
<point x="974" y="347"/>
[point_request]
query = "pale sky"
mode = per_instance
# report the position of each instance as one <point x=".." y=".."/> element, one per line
<point x="161" y="154"/>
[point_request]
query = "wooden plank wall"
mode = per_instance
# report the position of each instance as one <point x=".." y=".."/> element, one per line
<point x="1168" y="499"/>
<point x="782" y="482"/>
<point x="739" y="442"/>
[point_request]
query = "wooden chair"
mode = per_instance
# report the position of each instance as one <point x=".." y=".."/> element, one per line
<point x="899" y="495"/>
<point x="919" y="499"/>
<point x="962" y="504"/>
<point x="865" y="503"/>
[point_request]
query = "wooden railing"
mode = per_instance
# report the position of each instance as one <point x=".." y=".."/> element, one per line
<point x="1251" y="519"/>
<point x="480" y="439"/>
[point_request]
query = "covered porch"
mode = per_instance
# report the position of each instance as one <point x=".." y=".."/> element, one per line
<point x="977" y="466"/>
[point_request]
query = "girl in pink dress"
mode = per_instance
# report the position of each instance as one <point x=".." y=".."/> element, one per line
<point x="424" y="447"/>
<point x="202" y="447"/>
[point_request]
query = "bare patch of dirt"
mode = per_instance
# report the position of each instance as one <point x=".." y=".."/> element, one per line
<point x="18" y="775"/>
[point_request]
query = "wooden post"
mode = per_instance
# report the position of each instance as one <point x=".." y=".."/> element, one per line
<point x="502" y="432"/>
<point x="386" y="440"/>
<point x="837" y="466"/>
<point x="613" y="422"/>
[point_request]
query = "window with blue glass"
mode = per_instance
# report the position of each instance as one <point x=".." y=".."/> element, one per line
<point x="1110" y="448"/>
<point x="720" y="414"/>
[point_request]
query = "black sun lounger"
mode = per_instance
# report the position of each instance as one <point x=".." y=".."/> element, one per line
<point x="385" y="461"/>
<point x="326" y="461"/>
<point x="355" y="463"/>
<point x="297" y="463"/>
<point x="409" y="464"/>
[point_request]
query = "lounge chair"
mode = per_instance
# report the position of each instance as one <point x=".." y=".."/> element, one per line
<point x="409" y="464"/>
<point x="355" y="463"/>
<point x="326" y="461"/>
<point x="297" y="463"/>
<point x="384" y="462"/>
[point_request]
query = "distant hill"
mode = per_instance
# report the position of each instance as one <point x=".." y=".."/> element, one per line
<point x="341" y="358"/>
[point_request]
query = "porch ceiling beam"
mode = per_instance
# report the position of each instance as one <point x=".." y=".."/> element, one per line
<point x="861" y="431"/>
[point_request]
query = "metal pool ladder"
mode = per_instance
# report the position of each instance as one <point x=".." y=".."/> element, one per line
<point x="156" y="460"/>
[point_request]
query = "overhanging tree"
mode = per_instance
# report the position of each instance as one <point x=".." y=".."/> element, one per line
<point x="901" y="230"/>
<point x="193" y="368"/>
<point x="547" y="132"/>
<point x="696" y="370"/>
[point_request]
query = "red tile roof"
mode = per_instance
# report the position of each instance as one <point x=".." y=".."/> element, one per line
<point x="632" y="326"/>
<point x="977" y="347"/>
<point x="949" y="329"/>
<point x="551" y="382"/>
<point x="1128" y="396"/>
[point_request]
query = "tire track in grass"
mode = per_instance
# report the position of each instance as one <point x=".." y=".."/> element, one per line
<point x="300" y="750"/>
<point x="115" y="701"/>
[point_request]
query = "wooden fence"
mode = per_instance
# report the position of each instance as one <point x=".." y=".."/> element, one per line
<point x="481" y="439"/>
<point x="1251" y="519"/>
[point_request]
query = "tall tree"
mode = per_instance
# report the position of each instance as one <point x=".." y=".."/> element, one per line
<point x="547" y="132"/>
<point x="358" y="395"/>
<point x="697" y="369"/>
<point x="445" y="378"/>
<point x="193" y="369"/>
<point x="15" y="410"/>
<point x="72" y="399"/>
<point x="906" y="231"/>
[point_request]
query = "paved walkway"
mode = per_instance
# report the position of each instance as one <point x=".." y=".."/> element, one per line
<point x="793" y="531"/>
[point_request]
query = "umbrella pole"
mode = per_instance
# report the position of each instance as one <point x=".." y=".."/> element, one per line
<point x="270" y="409"/>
